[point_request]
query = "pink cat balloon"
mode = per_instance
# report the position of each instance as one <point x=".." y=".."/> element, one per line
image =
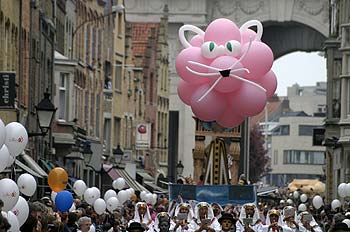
<point x="226" y="71"/>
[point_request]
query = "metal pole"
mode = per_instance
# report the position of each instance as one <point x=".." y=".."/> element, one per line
<point x="246" y="147"/>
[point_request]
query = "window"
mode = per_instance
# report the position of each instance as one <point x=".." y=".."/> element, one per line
<point x="107" y="134"/>
<point x="92" y="112"/>
<point x="281" y="130"/>
<point x="275" y="157"/>
<point x="307" y="130"/>
<point x="348" y="97"/>
<point x="118" y="76"/>
<point x="303" y="157"/>
<point x="117" y="128"/>
<point x="87" y="44"/>
<point x="93" y="44"/>
<point x="63" y="96"/>
<point x="97" y="124"/>
<point x="120" y="18"/>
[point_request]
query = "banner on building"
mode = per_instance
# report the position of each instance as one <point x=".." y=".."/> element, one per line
<point x="222" y="194"/>
<point x="7" y="90"/>
<point x="143" y="136"/>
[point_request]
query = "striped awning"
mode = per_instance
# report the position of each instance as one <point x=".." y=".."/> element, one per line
<point x="27" y="169"/>
<point x="115" y="173"/>
<point x="34" y="165"/>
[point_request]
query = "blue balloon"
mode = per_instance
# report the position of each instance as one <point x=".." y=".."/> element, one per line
<point x="64" y="201"/>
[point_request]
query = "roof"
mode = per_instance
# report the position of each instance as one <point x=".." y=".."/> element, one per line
<point x="141" y="33"/>
<point x="271" y="108"/>
<point x="295" y="114"/>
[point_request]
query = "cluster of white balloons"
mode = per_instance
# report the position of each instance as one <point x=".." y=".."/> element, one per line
<point x="344" y="190"/>
<point x="16" y="208"/>
<point x="110" y="201"/>
<point x="149" y="197"/>
<point x="13" y="140"/>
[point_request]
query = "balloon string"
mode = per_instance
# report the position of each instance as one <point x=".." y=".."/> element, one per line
<point x="248" y="81"/>
<point x="211" y="88"/>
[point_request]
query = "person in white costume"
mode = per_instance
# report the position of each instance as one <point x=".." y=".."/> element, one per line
<point x="307" y="223"/>
<point x="142" y="215"/>
<point x="289" y="215"/>
<point x="204" y="219"/>
<point x="181" y="223"/>
<point x="274" y="223"/>
<point x="162" y="223"/>
<point x="249" y="219"/>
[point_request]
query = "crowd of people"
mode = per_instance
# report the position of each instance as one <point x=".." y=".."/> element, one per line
<point x="180" y="216"/>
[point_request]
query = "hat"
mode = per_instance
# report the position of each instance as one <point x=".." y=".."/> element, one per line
<point x="135" y="226"/>
<point x="274" y="212"/>
<point x="227" y="216"/>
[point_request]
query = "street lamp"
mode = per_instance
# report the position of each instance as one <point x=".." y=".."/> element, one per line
<point x="45" y="112"/>
<point x="118" y="152"/>
<point x="179" y="168"/>
<point x="87" y="153"/>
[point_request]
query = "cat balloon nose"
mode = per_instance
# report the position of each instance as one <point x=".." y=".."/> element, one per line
<point x="225" y="73"/>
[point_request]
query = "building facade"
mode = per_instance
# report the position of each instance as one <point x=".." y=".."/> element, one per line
<point x="337" y="122"/>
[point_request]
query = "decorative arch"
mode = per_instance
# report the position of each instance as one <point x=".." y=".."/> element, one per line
<point x="292" y="36"/>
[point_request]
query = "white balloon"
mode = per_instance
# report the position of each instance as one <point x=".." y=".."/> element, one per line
<point x="295" y="194"/>
<point x="79" y="187"/>
<point x="26" y="184"/>
<point x="97" y="191"/>
<point x="112" y="204"/>
<point x="16" y="138"/>
<point x="303" y="197"/>
<point x="335" y="204"/>
<point x="132" y="191"/>
<point x="347" y="190"/>
<point x="90" y="196"/>
<point x="100" y="206"/>
<point x="9" y="193"/>
<point x="4" y="157"/>
<point x="110" y="193"/>
<point x="341" y="190"/>
<point x="290" y="202"/>
<point x="347" y="222"/>
<point x="317" y="201"/>
<point x="119" y="183"/>
<point x="21" y="210"/>
<point x="143" y="195"/>
<point x="154" y="199"/>
<point x="302" y="207"/>
<point x="12" y="219"/>
<point x="122" y="196"/>
<point x="2" y="133"/>
<point x="149" y="198"/>
<point x="72" y="208"/>
<point x="53" y="196"/>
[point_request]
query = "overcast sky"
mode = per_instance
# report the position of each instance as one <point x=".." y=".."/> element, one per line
<point x="299" y="67"/>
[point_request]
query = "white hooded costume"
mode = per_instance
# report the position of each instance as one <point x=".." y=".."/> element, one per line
<point x="256" y="224"/>
<point x="313" y="223"/>
<point x="265" y="228"/>
<point x="145" y="219"/>
<point x="196" y="222"/>
<point x="287" y="223"/>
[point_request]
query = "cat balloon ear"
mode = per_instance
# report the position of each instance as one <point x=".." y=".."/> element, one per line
<point x="192" y="28"/>
<point x="251" y="23"/>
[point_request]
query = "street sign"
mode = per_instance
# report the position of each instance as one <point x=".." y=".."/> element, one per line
<point x="318" y="136"/>
<point x="143" y="136"/>
<point x="7" y="90"/>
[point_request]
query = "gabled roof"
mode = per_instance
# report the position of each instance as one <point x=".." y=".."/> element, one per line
<point x="271" y="108"/>
<point x="141" y="33"/>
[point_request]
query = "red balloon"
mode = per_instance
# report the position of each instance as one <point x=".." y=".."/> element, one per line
<point x="185" y="91"/>
<point x="230" y="118"/>
<point x="268" y="82"/>
<point x="249" y="100"/>
<point x="259" y="59"/>
<point x="182" y="61"/>
<point x="210" y="107"/>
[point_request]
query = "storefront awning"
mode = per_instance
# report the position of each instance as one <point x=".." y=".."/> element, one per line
<point x="27" y="169"/>
<point x="155" y="188"/>
<point x="115" y="173"/>
<point x="33" y="165"/>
